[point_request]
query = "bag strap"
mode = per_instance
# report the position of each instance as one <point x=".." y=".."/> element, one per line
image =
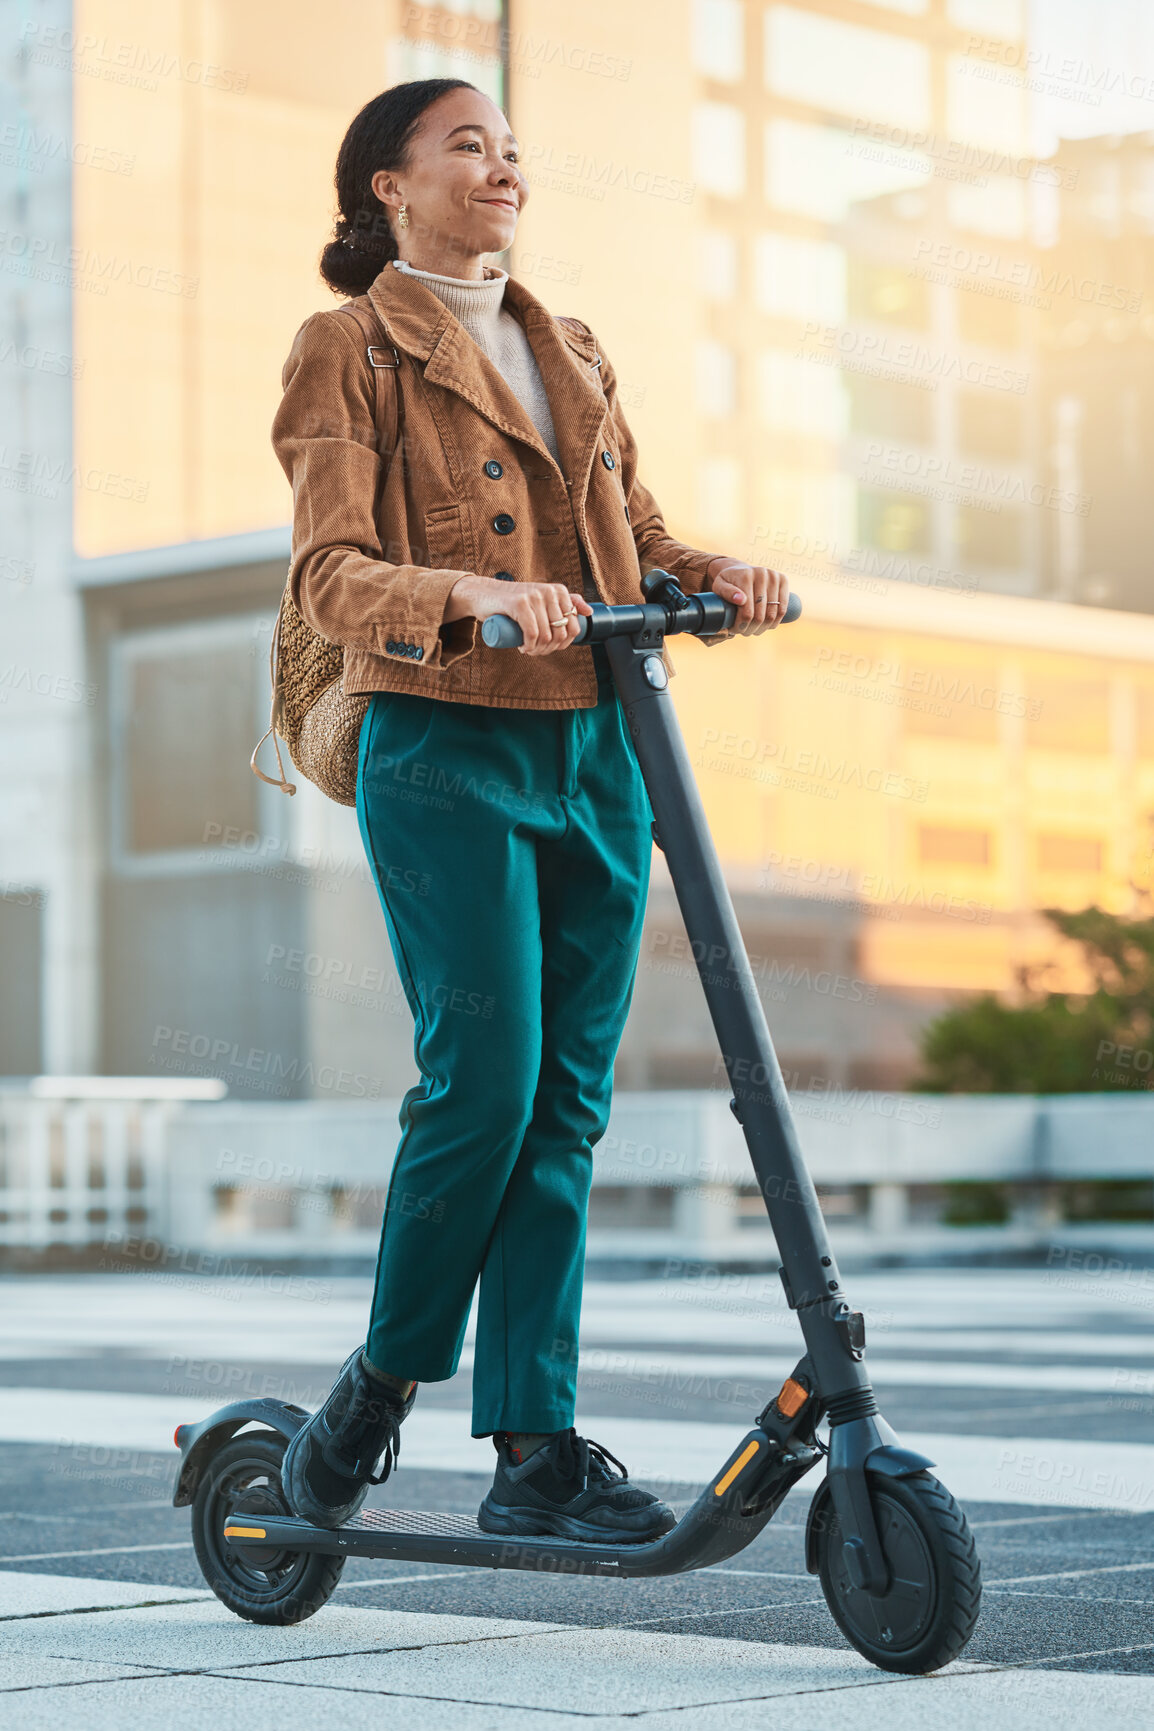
<point x="386" y="421"/>
<point x="384" y="395"/>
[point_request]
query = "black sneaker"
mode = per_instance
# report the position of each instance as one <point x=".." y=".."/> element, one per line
<point x="330" y="1463"/>
<point x="565" y="1487"/>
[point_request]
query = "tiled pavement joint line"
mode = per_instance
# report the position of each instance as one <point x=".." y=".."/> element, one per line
<point x="1073" y="1574"/>
<point x="104" y="1551"/>
<point x="101" y="1610"/>
<point x="127" y="1676"/>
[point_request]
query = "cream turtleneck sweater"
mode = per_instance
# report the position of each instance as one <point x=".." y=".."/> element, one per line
<point x="501" y="337"/>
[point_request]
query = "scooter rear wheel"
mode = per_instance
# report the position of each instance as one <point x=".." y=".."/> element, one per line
<point x="275" y="1586"/>
<point x="928" y="1615"/>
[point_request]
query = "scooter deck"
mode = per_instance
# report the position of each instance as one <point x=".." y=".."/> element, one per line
<point x="414" y="1535"/>
<point x="719" y="1523"/>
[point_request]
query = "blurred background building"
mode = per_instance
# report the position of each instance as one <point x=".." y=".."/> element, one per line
<point x="867" y="331"/>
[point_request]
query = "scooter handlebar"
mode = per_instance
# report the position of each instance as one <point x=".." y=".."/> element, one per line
<point x="499" y="631"/>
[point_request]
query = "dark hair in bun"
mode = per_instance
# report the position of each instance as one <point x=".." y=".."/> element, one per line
<point x="378" y="137"/>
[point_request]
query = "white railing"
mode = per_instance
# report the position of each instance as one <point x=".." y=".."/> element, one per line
<point x="671" y="1175"/>
<point x="84" y="1159"/>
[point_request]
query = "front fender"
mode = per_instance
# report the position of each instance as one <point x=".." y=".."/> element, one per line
<point x="889" y="1461"/>
<point x="199" y="1442"/>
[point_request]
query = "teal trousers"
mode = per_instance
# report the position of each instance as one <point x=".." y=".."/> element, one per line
<point x="511" y="849"/>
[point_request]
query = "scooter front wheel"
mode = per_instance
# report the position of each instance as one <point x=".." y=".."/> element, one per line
<point x="275" y="1586"/>
<point x="931" y="1607"/>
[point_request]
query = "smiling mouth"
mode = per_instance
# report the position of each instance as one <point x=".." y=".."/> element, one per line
<point x="507" y="203"/>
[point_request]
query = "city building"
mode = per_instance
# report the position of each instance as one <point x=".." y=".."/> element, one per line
<point x="749" y="207"/>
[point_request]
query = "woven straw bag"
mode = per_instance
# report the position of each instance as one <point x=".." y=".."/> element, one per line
<point x="318" y="720"/>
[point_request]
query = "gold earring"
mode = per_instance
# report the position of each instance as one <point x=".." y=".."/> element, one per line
<point x="403" y="217"/>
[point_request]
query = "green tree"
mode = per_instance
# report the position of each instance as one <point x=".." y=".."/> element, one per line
<point x="1055" y="1042"/>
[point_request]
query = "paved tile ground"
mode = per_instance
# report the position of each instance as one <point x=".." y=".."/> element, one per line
<point x="1035" y="1387"/>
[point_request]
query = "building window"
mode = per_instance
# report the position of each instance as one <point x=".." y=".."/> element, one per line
<point x="794" y="395"/>
<point x="1145" y="718"/>
<point x="444" y="42"/>
<point x="716" y="376"/>
<point x="717" y="146"/>
<point x="943" y="845"/>
<point x="1069" y="853"/>
<point x="820" y="171"/>
<point x="991" y="426"/>
<point x="893" y="522"/>
<point x="845" y="69"/>
<point x="717" y="43"/>
<point x="996" y="206"/>
<point x="987" y="113"/>
<point x="1069" y="714"/>
<point x="1001" y="19"/>
<point x="955" y="702"/>
<point x="719" y="496"/>
<point x="800" y="279"/>
<point x="887" y="293"/>
<point x="886" y="409"/>
<point x="993" y="539"/>
<point x="717" y="264"/>
<point x="993" y="324"/>
<point x="190" y="703"/>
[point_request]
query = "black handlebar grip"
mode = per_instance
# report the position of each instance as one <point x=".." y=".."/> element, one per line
<point x="501" y="632"/>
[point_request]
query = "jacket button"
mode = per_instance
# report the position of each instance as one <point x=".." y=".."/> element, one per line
<point x="493" y="469"/>
<point x="504" y="524"/>
<point x="607" y="459"/>
<point x="420" y="651"/>
<point x="414" y="650"/>
<point x="390" y="647"/>
<point x="504" y="576"/>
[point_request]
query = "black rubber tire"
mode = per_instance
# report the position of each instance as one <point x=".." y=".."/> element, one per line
<point x="929" y="1614"/>
<point x="288" y="1586"/>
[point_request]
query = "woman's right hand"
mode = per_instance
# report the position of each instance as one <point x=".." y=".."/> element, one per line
<point x="532" y="605"/>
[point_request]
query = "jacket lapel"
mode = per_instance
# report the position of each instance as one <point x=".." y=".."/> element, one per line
<point x="418" y="322"/>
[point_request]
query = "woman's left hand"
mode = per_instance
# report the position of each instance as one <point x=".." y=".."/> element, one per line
<point x="760" y="595"/>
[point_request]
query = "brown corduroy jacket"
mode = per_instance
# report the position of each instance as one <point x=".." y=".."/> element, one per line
<point x="471" y="487"/>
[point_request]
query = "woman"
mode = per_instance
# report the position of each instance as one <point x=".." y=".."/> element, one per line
<point x="499" y="800"/>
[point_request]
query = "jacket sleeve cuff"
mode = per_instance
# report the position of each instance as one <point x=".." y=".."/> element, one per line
<point x="416" y="617"/>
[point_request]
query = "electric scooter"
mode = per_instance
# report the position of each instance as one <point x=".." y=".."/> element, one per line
<point x="895" y="1557"/>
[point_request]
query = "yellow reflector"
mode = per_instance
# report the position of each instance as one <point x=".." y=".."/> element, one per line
<point x="746" y="1455"/>
<point x="791" y="1399"/>
<point x="245" y="1533"/>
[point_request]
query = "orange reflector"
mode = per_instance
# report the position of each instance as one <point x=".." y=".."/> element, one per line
<point x="245" y="1533"/>
<point x="791" y="1399"/>
<point x="176" y="1434"/>
<point x="745" y="1456"/>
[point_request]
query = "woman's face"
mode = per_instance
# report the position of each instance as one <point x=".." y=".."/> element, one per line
<point x="461" y="186"/>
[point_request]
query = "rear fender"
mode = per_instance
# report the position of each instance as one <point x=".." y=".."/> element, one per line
<point x="199" y="1442"/>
